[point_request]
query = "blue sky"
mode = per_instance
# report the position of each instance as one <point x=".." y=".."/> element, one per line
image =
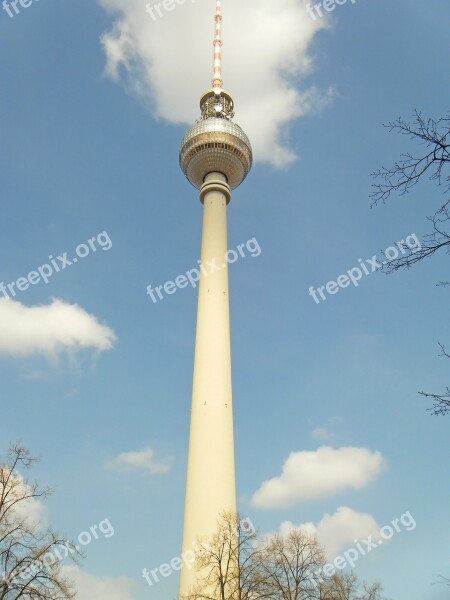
<point x="84" y="153"/>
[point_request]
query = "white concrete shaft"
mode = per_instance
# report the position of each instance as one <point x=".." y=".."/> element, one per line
<point x="210" y="487"/>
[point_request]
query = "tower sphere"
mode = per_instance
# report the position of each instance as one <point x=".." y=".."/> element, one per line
<point x="216" y="144"/>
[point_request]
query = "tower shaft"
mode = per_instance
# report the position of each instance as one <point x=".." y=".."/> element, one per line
<point x="215" y="156"/>
<point x="210" y="488"/>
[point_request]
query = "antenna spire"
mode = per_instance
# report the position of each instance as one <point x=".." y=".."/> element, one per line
<point x="216" y="102"/>
<point x="217" y="78"/>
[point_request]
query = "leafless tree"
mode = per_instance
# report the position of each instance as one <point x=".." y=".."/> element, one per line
<point x="292" y="566"/>
<point x="29" y="562"/>
<point x="433" y="163"/>
<point x="339" y="587"/>
<point x="346" y="586"/>
<point x="239" y="565"/>
<point x="441" y="402"/>
<point x="229" y="562"/>
<point x="372" y="591"/>
<point x="405" y="173"/>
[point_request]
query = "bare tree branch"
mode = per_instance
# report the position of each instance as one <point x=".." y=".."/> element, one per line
<point x="29" y="556"/>
<point x="441" y="402"/>
<point x="402" y="177"/>
<point x="444" y="580"/>
<point x="239" y="565"/>
<point x="405" y="173"/>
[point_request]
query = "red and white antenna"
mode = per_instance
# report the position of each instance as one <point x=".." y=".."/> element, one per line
<point x="216" y="102"/>
<point x="217" y="79"/>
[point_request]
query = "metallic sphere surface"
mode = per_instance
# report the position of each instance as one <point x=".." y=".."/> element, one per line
<point x="215" y="145"/>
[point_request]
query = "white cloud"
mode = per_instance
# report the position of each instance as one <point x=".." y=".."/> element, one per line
<point x="90" y="587"/>
<point x="339" y="531"/>
<point x="320" y="433"/>
<point x="141" y="460"/>
<point x="50" y="329"/>
<point x="313" y="474"/>
<point x="326" y="432"/>
<point x="168" y="63"/>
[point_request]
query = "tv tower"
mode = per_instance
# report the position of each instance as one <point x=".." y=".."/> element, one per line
<point x="215" y="156"/>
